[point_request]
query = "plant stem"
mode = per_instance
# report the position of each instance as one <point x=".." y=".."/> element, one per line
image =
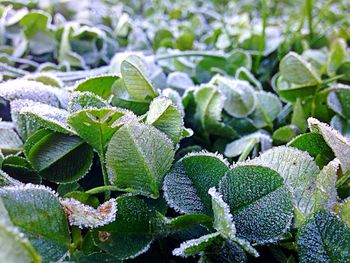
<point x="263" y="35"/>
<point x="309" y="4"/>
<point x="101" y="189"/>
<point x="105" y="175"/>
<point x="247" y="150"/>
<point x="190" y="54"/>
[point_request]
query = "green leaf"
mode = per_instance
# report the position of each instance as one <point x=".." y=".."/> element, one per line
<point x="135" y="79"/>
<point x="244" y="74"/>
<point x="20" y="169"/>
<point x="209" y="105"/>
<point x="337" y="55"/>
<point x="138" y="157"/>
<point x="315" y="145"/>
<point x="130" y="234"/>
<point x="46" y="116"/>
<point x="97" y="126"/>
<point x="339" y="100"/>
<point x="298" y="116"/>
<point x="339" y="144"/>
<point x="268" y="106"/>
<point x="299" y="172"/>
<point x="224" y="224"/>
<point x="166" y="117"/>
<point x="185" y="41"/>
<point x="324" y="238"/>
<point x="236" y="59"/>
<point x="291" y="92"/>
<point x="37" y="212"/>
<point x="344" y="211"/>
<point x="260" y="204"/>
<point x="100" y="85"/>
<point x="186" y="185"/>
<point x="15" y="248"/>
<point x="285" y="134"/>
<point x="9" y="139"/>
<point x="5" y="179"/>
<point x="34" y="21"/>
<point x="46" y="78"/>
<point x="297" y="70"/>
<point x="195" y="246"/>
<point x="57" y="157"/>
<point x="240" y="100"/>
<point x="240" y="145"/>
<point x="85" y="100"/>
<point x="326" y="191"/>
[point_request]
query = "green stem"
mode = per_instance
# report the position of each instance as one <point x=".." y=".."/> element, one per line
<point x="101" y="189"/>
<point x="105" y="175"/>
<point x="189" y="54"/>
<point x="247" y="150"/>
<point x="309" y="4"/>
<point x="263" y="35"/>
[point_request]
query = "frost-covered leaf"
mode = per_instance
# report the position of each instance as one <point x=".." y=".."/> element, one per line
<point x="268" y="106"/>
<point x="20" y="169"/>
<point x="238" y="146"/>
<point x="97" y="126"/>
<point x="166" y="117"/>
<point x="46" y="78"/>
<point x="30" y="90"/>
<point x="244" y="74"/>
<point x="239" y="95"/>
<point x="85" y="100"/>
<point x="209" y="105"/>
<point x="315" y="145"/>
<point x="339" y="100"/>
<point x="339" y="144"/>
<point x="324" y="238"/>
<point x="299" y="172"/>
<point x="58" y="157"/>
<point x="344" y="211"/>
<point x="224" y="224"/>
<point x="186" y="185"/>
<point x="23" y="127"/>
<point x="259" y="202"/>
<point x="223" y="221"/>
<point x="138" y="157"/>
<point x="15" y="247"/>
<point x="37" y="212"/>
<point x="86" y="216"/>
<point x="130" y="234"/>
<point x="9" y="139"/>
<point x="46" y="116"/>
<point x="326" y="191"/>
<point x="100" y="85"/>
<point x="6" y="180"/>
<point x="179" y="81"/>
<point x="196" y="246"/>
<point x="296" y="69"/>
<point x="135" y="79"/>
<point x="285" y="134"/>
<point x="337" y="55"/>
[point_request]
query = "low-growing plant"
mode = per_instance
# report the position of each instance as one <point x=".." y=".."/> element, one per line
<point x="223" y="140"/>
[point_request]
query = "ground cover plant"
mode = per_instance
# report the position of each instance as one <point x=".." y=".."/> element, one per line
<point x="174" y="131"/>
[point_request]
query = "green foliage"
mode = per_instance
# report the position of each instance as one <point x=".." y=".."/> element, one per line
<point x="217" y="131"/>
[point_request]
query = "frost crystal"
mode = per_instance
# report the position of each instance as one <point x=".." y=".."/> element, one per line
<point x="86" y="216"/>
